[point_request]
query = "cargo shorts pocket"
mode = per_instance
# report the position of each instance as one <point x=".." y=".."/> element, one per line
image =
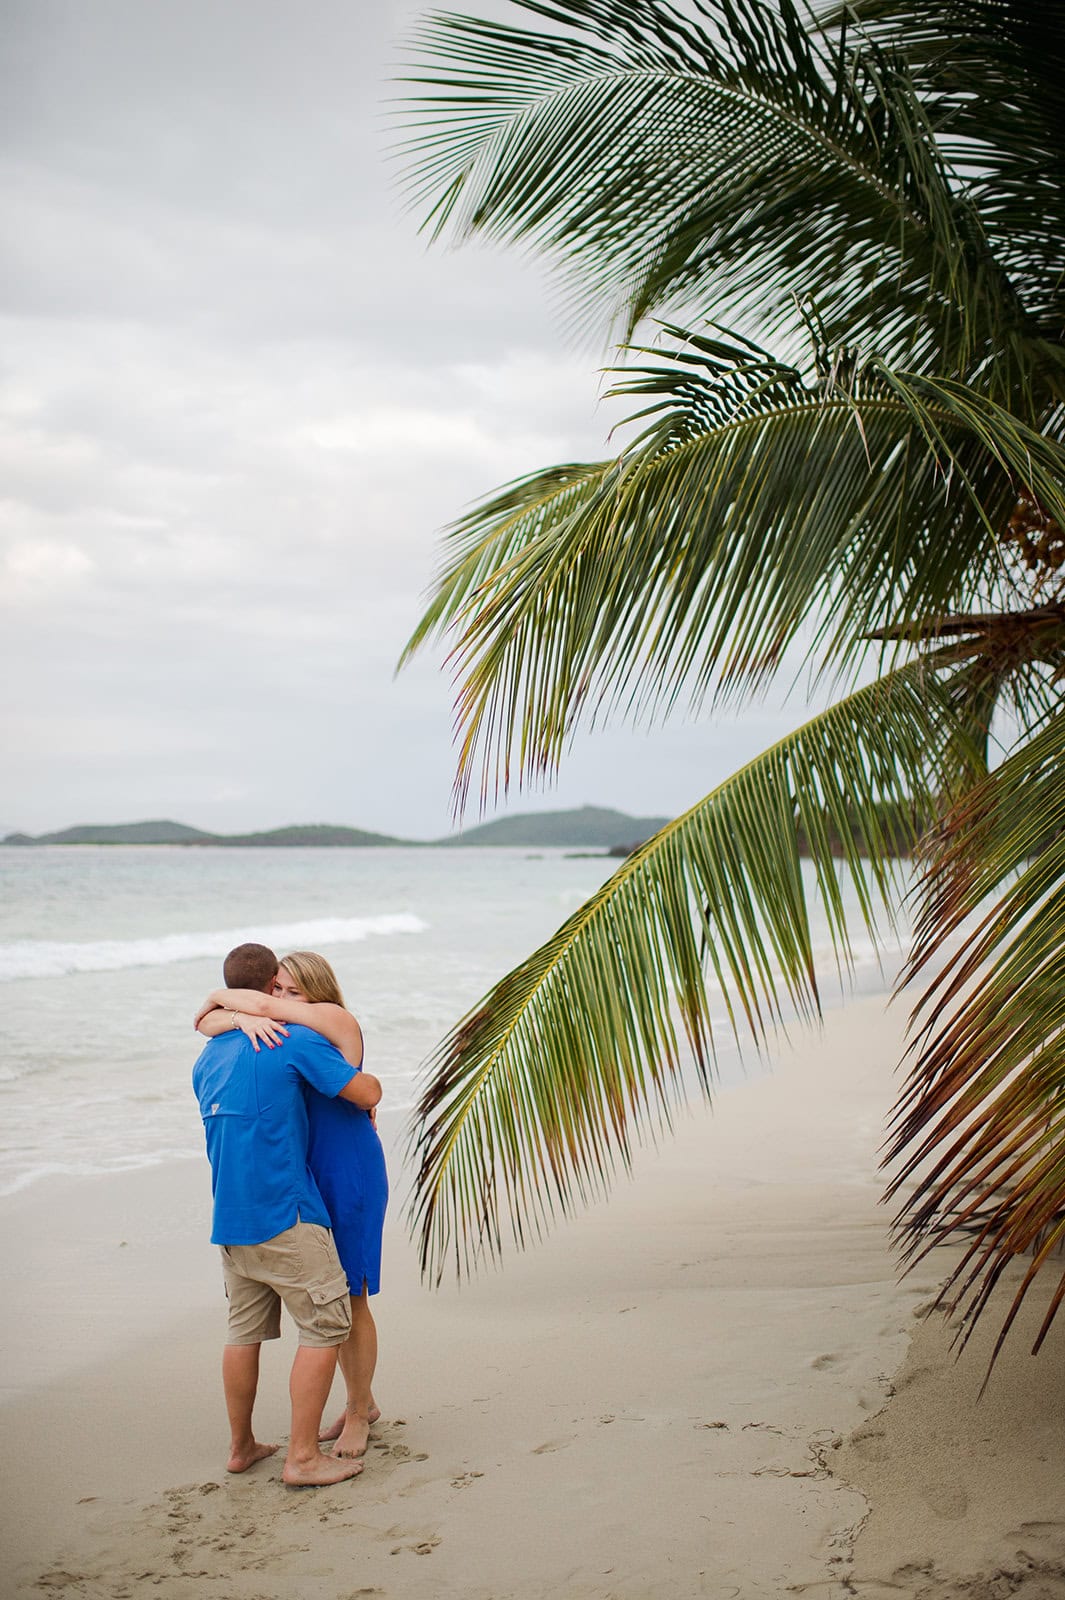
<point x="332" y="1307"/>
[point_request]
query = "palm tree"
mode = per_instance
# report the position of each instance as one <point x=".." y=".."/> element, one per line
<point x="878" y="191"/>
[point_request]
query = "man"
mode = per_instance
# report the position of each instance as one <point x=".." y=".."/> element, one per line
<point x="271" y="1223"/>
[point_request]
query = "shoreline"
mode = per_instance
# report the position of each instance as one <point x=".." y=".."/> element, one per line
<point x="644" y="1405"/>
<point x="737" y="1064"/>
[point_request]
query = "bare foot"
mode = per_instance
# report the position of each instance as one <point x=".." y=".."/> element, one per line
<point x="241" y="1460"/>
<point x="336" y="1428"/>
<point x="318" y="1472"/>
<point x="353" y="1438"/>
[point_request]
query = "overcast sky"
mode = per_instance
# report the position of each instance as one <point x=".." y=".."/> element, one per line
<point x="240" y="399"/>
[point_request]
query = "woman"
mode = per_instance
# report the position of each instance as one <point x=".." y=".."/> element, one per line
<point x="344" y="1155"/>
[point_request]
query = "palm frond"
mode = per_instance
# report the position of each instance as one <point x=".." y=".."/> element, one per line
<point x="539" y="1091"/>
<point x="499" y="531"/>
<point x="990" y="73"/>
<point x="887" y="176"/>
<point x="671" y="161"/>
<point x="754" y="507"/>
<point x="981" y="1122"/>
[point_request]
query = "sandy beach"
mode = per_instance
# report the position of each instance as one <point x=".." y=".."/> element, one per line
<point x="712" y="1385"/>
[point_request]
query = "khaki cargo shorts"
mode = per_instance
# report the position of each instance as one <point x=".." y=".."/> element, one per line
<point x="300" y="1267"/>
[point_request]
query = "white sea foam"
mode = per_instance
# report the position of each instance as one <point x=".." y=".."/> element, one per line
<point x="46" y="958"/>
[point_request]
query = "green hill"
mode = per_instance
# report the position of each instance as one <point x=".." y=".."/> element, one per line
<point x="161" y="832"/>
<point x="592" y="827"/>
<point x="596" y="827"/>
<point x="314" y="836"/>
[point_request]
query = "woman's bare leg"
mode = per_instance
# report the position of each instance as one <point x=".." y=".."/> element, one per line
<point x="358" y="1358"/>
<point x="335" y="1429"/>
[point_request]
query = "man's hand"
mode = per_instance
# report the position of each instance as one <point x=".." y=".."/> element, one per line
<point x="212" y="1003"/>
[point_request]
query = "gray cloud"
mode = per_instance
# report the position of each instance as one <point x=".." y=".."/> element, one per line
<point x="239" y="399"/>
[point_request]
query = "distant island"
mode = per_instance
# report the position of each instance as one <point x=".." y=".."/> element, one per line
<point x="589" y="827"/>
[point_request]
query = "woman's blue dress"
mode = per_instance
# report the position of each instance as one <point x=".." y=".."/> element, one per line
<point x="348" y="1164"/>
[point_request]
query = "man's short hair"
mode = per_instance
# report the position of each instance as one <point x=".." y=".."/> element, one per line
<point x="250" y="966"/>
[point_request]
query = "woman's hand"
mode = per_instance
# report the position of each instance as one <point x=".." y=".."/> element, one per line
<point x="262" y="1029"/>
<point x="215" y="1020"/>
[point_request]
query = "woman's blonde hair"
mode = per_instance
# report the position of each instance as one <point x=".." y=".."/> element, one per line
<point x="314" y="975"/>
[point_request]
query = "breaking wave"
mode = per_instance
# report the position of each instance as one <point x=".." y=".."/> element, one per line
<point x="46" y="958"/>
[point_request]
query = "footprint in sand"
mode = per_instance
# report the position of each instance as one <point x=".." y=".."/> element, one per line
<point x="401" y="1453"/>
<point x="925" y="1308"/>
<point x="906" y="1379"/>
<point x="822" y="1363"/>
<point x="465" y="1479"/>
<point x="912" y="1573"/>
<point x="870" y="1444"/>
<point x="423" y="1547"/>
<point x="552" y="1444"/>
<point x="946" y="1500"/>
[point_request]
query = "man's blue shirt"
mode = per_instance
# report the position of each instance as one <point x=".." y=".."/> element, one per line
<point x="255" y="1121"/>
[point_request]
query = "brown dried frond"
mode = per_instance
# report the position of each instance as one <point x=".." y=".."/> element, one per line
<point x="1040" y="540"/>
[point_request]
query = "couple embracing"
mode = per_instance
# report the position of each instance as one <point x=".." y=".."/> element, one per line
<point x="300" y="1189"/>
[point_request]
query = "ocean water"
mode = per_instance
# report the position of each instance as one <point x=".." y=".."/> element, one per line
<point x="105" y="953"/>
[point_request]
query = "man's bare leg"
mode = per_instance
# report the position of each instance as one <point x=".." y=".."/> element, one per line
<point x="240" y="1380"/>
<point x="358" y="1358"/>
<point x="309" y="1386"/>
